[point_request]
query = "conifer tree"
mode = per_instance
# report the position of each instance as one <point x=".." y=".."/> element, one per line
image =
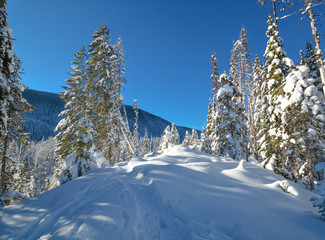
<point x="231" y="131"/>
<point x="187" y="139"/>
<point x="260" y="103"/>
<point x="211" y="125"/>
<point x="276" y="68"/>
<point x="104" y="87"/>
<point x="136" y="142"/>
<point x="174" y="134"/>
<point x="76" y="131"/>
<point x="165" y="140"/>
<point x="145" y="143"/>
<point x="214" y="74"/>
<point x="304" y="109"/>
<point x="15" y="109"/>
<point x="6" y="69"/>
<point x="195" y="141"/>
<point x="205" y="141"/>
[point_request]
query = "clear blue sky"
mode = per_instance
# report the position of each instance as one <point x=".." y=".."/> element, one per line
<point x="167" y="43"/>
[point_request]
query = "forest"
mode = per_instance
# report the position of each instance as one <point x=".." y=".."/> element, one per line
<point x="271" y="110"/>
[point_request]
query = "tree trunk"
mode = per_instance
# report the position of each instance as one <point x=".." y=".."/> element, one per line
<point x="319" y="54"/>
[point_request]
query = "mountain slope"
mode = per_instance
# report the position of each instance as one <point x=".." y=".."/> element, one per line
<point x="42" y="122"/>
<point x="181" y="194"/>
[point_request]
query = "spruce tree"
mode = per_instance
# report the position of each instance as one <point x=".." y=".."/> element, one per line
<point x="205" y="141"/>
<point x="165" y="140"/>
<point x="104" y="87"/>
<point x="6" y="69"/>
<point x="145" y="143"/>
<point x="276" y="68"/>
<point x="195" y="141"/>
<point x="304" y="124"/>
<point x="231" y="130"/>
<point x="214" y="74"/>
<point x="76" y="131"/>
<point x="174" y="134"/>
<point x="15" y="109"/>
<point x="136" y="142"/>
<point x="187" y="139"/>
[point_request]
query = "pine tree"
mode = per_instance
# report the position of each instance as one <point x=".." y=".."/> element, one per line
<point x="6" y="69"/>
<point x="195" y="141"/>
<point x="276" y="68"/>
<point x="165" y="140"/>
<point x="15" y="109"/>
<point x="214" y="74"/>
<point x="76" y="131"/>
<point x="260" y="103"/>
<point x="304" y="123"/>
<point x="205" y="141"/>
<point x="145" y="143"/>
<point x="231" y="131"/>
<point x="174" y="135"/>
<point x="104" y="87"/>
<point x="211" y="125"/>
<point x="136" y="142"/>
<point x="187" y="139"/>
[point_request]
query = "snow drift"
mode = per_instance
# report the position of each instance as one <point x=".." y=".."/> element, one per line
<point x="181" y="194"/>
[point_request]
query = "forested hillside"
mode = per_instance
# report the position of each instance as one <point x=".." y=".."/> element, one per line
<point x="43" y="120"/>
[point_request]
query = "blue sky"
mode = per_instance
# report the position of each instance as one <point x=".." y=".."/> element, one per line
<point x="167" y="43"/>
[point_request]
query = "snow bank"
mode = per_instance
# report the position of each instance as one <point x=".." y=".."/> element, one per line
<point x="181" y="194"/>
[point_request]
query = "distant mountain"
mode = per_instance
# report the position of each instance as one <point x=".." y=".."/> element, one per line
<point x="42" y="122"/>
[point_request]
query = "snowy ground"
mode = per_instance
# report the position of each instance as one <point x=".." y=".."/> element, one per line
<point x="181" y="194"/>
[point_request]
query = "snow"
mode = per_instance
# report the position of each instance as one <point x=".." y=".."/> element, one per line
<point x="180" y="194"/>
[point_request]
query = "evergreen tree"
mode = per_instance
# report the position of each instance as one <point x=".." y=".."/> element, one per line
<point x="76" y="131"/>
<point x="15" y="109"/>
<point x="304" y="124"/>
<point x="260" y="103"/>
<point x="165" y="140"/>
<point x="214" y="74"/>
<point x="187" y="139"/>
<point x="136" y="142"/>
<point x="104" y="87"/>
<point x="145" y="143"/>
<point x="174" y="135"/>
<point x="231" y="130"/>
<point x="205" y="141"/>
<point x="211" y="125"/>
<point x="6" y="69"/>
<point x="195" y="141"/>
<point x="276" y="67"/>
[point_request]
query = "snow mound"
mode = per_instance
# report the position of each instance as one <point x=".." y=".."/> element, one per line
<point x="181" y="194"/>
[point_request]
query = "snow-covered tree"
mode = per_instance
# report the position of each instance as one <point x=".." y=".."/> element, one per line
<point x="174" y="134"/>
<point x="195" y="141"/>
<point x="76" y="130"/>
<point x="145" y="143"/>
<point x="187" y="139"/>
<point x="15" y="109"/>
<point x="304" y="124"/>
<point x="105" y="81"/>
<point x="214" y="73"/>
<point x="259" y="98"/>
<point x="6" y="69"/>
<point x="165" y="140"/>
<point x="277" y="66"/>
<point x="211" y="124"/>
<point x="231" y="130"/>
<point x="205" y="141"/>
<point x="136" y="142"/>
